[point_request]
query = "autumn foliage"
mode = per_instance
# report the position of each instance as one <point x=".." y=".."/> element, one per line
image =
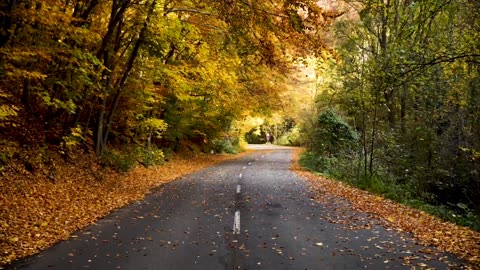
<point x="38" y="211"/>
<point x="92" y="88"/>
<point x="429" y="230"/>
<point x="405" y="78"/>
<point x="104" y="74"/>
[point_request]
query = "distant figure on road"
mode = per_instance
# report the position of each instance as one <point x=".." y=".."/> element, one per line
<point x="268" y="137"/>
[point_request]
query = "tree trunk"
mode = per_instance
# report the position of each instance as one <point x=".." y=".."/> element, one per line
<point x="374" y="133"/>
<point x="392" y="110"/>
<point x="106" y="54"/>
<point x="403" y="110"/>
<point x="99" y="128"/>
<point x="128" y="69"/>
<point x="99" y="146"/>
<point x="6" y="21"/>
<point x="26" y="95"/>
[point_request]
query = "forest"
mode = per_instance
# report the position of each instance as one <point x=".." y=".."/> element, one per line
<point x="398" y="105"/>
<point x="94" y="93"/>
<point x="149" y="75"/>
<point x="392" y="106"/>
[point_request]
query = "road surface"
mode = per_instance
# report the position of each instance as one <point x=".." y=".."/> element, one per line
<point x="251" y="213"/>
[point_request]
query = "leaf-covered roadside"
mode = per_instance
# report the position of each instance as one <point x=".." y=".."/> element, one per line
<point x="429" y="230"/>
<point x="36" y="212"/>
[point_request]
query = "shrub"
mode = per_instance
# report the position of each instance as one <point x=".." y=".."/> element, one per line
<point x="120" y="160"/>
<point x="150" y="156"/>
<point x="226" y="145"/>
<point x="332" y="136"/>
<point x="291" y="137"/>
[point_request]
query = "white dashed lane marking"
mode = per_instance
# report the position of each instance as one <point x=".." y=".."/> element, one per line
<point x="236" y="223"/>
<point x="236" y="219"/>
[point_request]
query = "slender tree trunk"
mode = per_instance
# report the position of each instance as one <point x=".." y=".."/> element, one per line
<point x="364" y="120"/>
<point x="107" y="53"/>
<point x="403" y="110"/>
<point x="6" y="21"/>
<point x="99" y="128"/>
<point x="128" y="69"/>
<point x="391" y="106"/>
<point x="374" y="133"/>
<point x="87" y="123"/>
<point x="26" y="94"/>
<point x="99" y="146"/>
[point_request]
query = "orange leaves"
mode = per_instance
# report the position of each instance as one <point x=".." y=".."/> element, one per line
<point x="36" y="212"/>
<point x="430" y="230"/>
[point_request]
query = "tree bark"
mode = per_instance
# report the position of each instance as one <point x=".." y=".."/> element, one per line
<point x="6" y="21"/>
<point x="106" y="54"/>
<point x="120" y="85"/>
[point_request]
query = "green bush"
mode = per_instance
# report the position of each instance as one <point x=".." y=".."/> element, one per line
<point x="332" y="136"/>
<point x="291" y="137"/>
<point x="386" y="185"/>
<point x="8" y="151"/>
<point x="125" y="159"/>
<point x="256" y="136"/>
<point x="121" y="161"/>
<point x="150" y="156"/>
<point x="227" y="145"/>
<point x="373" y="184"/>
<point x="316" y="163"/>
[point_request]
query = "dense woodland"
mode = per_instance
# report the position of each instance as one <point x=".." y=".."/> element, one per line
<point x="399" y="105"/>
<point x="118" y="77"/>
<point x="397" y="92"/>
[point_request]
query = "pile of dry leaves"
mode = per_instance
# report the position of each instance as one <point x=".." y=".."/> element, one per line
<point x="37" y="211"/>
<point x="428" y="229"/>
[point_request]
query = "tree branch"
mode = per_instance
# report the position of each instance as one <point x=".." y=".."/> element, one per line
<point x="188" y="10"/>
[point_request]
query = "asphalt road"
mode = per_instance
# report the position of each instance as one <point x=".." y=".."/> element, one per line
<point x="251" y="213"/>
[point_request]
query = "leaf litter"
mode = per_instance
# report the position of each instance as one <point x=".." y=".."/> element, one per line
<point x="36" y="211"/>
<point x="427" y="229"/>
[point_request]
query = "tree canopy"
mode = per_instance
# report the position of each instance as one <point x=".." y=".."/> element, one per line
<point x="397" y="79"/>
<point x="151" y="73"/>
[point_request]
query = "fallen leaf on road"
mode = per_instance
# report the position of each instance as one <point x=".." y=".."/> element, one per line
<point x="81" y="195"/>
<point x="447" y="236"/>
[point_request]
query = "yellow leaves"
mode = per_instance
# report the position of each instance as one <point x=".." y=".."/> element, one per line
<point x="7" y="111"/>
<point x="473" y="153"/>
<point x="42" y="212"/>
<point x="24" y="74"/>
<point x="430" y="230"/>
<point x="21" y="54"/>
<point x="73" y="139"/>
<point x="13" y="239"/>
<point x="155" y="125"/>
<point x="391" y="219"/>
<point x="77" y="131"/>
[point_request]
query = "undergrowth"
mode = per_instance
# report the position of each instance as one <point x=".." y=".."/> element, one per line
<point x="387" y="186"/>
<point x="125" y="159"/>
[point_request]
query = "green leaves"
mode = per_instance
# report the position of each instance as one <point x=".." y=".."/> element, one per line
<point x="332" y="136"/>
<point x="408" y="74"/>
